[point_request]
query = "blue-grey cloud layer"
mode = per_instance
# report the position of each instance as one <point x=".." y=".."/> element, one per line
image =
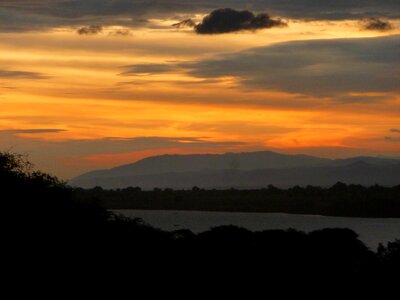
<point x="33" y="14"/>
<point x="316" y="67"/>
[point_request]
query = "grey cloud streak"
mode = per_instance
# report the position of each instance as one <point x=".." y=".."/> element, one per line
<point x="110" y="145"/>
<point x="31" y="131"/>
<point x="392" y="139"/>
<point x="51" y="155"/>
<point x="316" y="67"/>
<point x="148" y="68"/>
<point x="21" y="74"/>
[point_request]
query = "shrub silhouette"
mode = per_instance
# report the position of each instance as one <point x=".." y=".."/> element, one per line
<point x="45" y="221"/>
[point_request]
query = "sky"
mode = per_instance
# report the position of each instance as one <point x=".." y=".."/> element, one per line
<point x="93" y="84"/>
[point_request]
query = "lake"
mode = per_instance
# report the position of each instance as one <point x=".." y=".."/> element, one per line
<point x="371" y="231"/>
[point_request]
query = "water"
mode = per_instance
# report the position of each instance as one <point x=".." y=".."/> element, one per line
<point x="371" y="231"/>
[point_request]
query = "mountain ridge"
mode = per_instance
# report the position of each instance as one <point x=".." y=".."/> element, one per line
<point x="245" y="169"/>
<point x="228" y="160"/>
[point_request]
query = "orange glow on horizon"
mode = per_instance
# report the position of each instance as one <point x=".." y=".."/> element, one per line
<point x="74" y="84"/>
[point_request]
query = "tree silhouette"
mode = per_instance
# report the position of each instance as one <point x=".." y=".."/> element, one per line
<point x="46" y="222"/>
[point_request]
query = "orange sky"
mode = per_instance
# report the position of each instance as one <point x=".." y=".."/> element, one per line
<point x="63" y="96"/>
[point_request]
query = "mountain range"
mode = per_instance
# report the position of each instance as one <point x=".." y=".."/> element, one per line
<point x="243" y="170"/>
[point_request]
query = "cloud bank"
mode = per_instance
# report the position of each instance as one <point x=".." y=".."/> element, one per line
<point x="315" y="67"/>
<point x="43" y="14"/>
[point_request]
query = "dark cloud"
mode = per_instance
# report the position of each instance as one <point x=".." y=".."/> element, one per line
<point x="90" y="30"/>
<point x="316" y="67"/>
<point x="21" y="74"/>
<point x="377" y="24"/>
<point x="395" y="130"/>
<point x="227" y="20"/>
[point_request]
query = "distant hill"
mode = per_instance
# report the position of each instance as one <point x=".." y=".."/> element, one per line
<point x="243" y="170"/>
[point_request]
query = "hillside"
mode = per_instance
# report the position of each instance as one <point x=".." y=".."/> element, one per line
<point x="243" y="170"/>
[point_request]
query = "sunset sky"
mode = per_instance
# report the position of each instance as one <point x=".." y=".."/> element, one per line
<point x="94" y="84"/>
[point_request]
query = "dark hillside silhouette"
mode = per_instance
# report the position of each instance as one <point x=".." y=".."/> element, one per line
<point x="45" y="224"/>
<point x="247" y="170"/>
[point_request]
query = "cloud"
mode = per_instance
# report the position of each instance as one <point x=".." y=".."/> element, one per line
<point x="150" y="68"/>
<point x="315" y="67"/>
<point x="21" y="74"/>
<point x="90" y="30"/>
<point x="227" y="20"/>
<point x="330" y="10"/>
<point x="120" y="32"/>
<point x="185" y="23"/>
<point x="32" y="131"/>
<point x="377" y="24"/>
<point x="108" y="145"/>
<point x="310" y="9"/>
<point x="44" y="14"/>
<point x="51" y="155"/>
<point x="392" y="139"/>
<point x="362" y="98"/>
<point x="114" y="145"/>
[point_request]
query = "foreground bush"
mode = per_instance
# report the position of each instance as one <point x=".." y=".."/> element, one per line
<point x="43" y="222"/>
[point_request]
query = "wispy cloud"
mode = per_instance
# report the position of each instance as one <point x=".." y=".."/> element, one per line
<point x="149" y="68"/>
<point x="72" y="157"/>
<point x="32" y="131"/>
<point x="22" y="74"/>
<point x="392" y="139"/>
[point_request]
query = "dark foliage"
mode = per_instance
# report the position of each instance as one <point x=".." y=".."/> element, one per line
<point x="338" y="200"/>
<point x="45" y="226"/>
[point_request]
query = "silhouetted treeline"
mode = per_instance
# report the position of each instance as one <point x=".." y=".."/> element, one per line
<point x="338" y="200"/>
<point x="43" y="223"/>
